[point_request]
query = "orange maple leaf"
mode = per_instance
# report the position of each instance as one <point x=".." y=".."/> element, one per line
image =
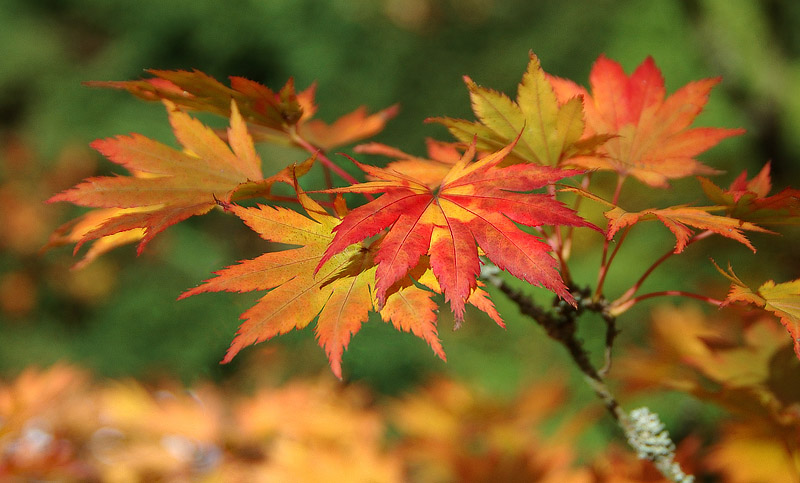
<point x="272" y="116"/>
<point x="679" y="218"/>
<point x="475" y="204"/>
<point x="200" y="92"/>
<point x="76" y="229"/>
<point x="743" y="365"/>
<point x="340" y="296"/>
<point x="651" y="139"/>
<point x="170" y="185"/>
<point x="431" y="170"/>
<point x="348" y="129"/>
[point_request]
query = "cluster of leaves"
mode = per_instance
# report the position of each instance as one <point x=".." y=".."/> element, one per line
<point x="436" y="220"/>
<point x="745" y="365"/>
<point x="61" y="424"/>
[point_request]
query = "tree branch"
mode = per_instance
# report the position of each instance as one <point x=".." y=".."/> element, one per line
<point x="644" y="431"/>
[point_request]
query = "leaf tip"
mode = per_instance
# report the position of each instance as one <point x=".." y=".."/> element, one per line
<point x="336" y="368"/>
<point x="390" y="112"/>
<point x="56" y="198"/>
<point x="229" y="355"/>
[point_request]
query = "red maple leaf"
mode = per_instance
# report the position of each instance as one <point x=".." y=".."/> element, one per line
<point x="339" y="297"/>
<point x="652" y="139"/>
<point x="476" y="205"/>
<point x="749" y="200"/>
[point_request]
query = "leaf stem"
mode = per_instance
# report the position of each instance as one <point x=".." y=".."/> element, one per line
<point x="604" y="263"/>
<point x="603" y="272"/>
<point x="663" y="293"/>
<point x="618" y="189"/>
<point x="571" y="229"/>
<point x="326" y="172"/>
<point x="297" y="139"/>
<point x="558" y="244"/>
<point x="636" y="286"/>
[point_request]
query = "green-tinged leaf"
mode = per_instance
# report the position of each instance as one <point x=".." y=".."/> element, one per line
<point x="782" y="299"/>
<point x="549" y="132"/>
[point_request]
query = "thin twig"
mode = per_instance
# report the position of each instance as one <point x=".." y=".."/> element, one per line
<point x="636" y="286"/>
<point x="601" y="277"/>
<point x="297" y="139"/>
<point x="567" y="248"/>
<point x="326" y="172"/>
<point x="665" y="293"/>
<point x="603" y="259"/>
<point x="611" y="335"/>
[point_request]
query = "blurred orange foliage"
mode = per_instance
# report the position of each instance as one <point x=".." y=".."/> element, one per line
<point x="745" y="365"/>
<point x="26" y="181"/>
<point x="60" y="424"/>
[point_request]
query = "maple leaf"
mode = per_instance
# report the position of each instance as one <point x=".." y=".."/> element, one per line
<point x="76" y="229"/>
<point x="412" y="309"/>
<point x="551" y="132"/>
<point x="339" y="295"/>
<point x="348" y="129"/>
<point x="746" y="451"/>
<point x="431" y="171"/>
<point x="749" y="200"/>
<point x="651" y="139"/>
<point x="475" y="204"/>
<point x="686" y="344"/>
<point x="316" y="430"/>
<point x="272" y="115"/>
<point x="407" y="303"/>
<point x="200" y="92"/>
<point x="679" y="218"/>
<point x="782" y="299"/>
<point x="170" y="185"/>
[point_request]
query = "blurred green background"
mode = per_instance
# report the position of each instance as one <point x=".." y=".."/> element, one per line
<point x="119" y="316"/>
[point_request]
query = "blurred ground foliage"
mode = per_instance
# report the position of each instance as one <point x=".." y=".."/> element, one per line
<point x="63" y="424"/>
<point x="119" y="316"/>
